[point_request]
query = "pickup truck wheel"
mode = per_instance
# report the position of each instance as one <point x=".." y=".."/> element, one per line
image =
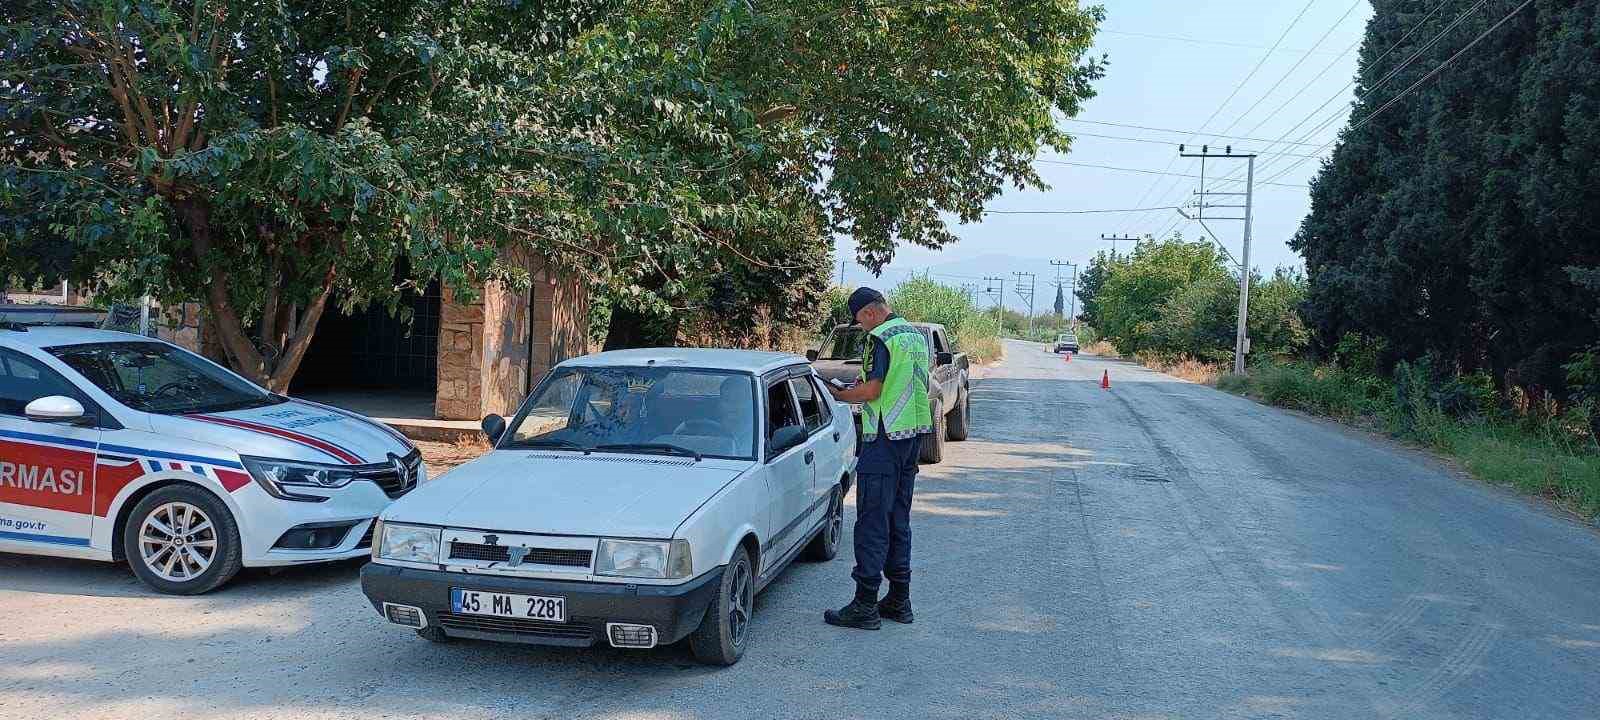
<point x="825" y="546"/>
<point x="956" y="424"/>
<point x="933" y="443"/>
<point x="725" y="630"/>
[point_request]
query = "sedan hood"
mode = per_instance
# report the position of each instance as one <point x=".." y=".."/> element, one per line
<point x="846" y="370"/>
<point x="568" y="493"/>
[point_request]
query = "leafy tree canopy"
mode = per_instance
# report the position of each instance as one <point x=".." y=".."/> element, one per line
<point x="276" y="158"/>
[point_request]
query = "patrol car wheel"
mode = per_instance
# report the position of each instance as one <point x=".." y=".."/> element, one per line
<point x="725" y="630"/>
<point x="825" y="546"/>
<point x="181" y="540"/>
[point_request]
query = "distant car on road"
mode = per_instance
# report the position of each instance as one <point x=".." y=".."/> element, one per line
<point x="638" y="497"/>
<point x="1066" y="342"/>
<point x="120" y="447"/>
<point x="845" y="348"/>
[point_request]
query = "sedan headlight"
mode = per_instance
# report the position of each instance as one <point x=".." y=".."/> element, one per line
<point x="408" y="543"/>
<point x="644" y="559"/>
<point x="280" y="478"/>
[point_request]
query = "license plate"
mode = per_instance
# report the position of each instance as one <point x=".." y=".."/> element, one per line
<point x="506" y="605"/>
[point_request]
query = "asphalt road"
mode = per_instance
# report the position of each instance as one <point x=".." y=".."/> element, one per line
<point x="1156" y="550"/>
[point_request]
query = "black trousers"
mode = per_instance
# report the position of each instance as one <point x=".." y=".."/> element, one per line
<point x="886" y="475"/>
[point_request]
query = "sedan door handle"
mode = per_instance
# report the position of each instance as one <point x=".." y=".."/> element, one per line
<point x="836" y="436"/>
<point x="810" y="456"/>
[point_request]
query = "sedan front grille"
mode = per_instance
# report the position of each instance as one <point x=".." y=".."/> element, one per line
<point x="515" y="626"/>
<point x="536" y="556"/>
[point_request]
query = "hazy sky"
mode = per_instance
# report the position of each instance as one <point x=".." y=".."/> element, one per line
<point x="1172" y="65"/>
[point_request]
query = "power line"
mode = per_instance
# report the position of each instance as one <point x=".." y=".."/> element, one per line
<point x="1165" y="142"/>
<point x="1231" y="96"/>
<point x="1198" y="41"/>
<point x="1074" y="212"/>
<point x="1369" y="118"/>
<point x="1295" y="66"/>
<point x="1153" y="172"/>
<point x="1191" y="133"/>
<point x="1340" y="112"/>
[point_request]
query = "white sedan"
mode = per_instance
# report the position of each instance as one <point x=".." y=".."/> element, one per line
<point x="638" y="497"/>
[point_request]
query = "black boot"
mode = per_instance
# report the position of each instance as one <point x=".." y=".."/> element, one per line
<point x="896" y="605"/>
<point x="861" y="613"/>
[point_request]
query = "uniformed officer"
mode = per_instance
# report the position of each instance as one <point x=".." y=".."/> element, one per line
<point x="893" y="391"/>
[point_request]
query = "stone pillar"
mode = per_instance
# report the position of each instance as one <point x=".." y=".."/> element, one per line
<point x="459" y="385"/>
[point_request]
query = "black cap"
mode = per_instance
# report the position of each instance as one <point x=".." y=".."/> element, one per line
<point x="862" y="297"/>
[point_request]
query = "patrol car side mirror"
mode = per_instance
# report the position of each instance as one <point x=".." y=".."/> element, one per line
<point x="811" y="356"/>
<point x="494" y="426"/>
<point x="55" y="409"/>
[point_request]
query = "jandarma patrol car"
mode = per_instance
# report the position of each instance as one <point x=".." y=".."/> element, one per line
<point x="119" y="447"/>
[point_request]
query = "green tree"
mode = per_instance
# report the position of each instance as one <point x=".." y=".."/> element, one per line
<point x="1137" y="288"/>
<point x="278" y="158"/>
<point x="1448" y="225"/>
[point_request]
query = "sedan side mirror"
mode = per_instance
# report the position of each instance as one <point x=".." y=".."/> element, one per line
<point x="784" y="439"/>
<point x="494" y="426"/>
<point x="55" y="409"/>
<point x="811" y="355"/>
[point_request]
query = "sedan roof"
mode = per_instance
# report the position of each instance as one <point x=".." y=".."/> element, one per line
<point x="751" y="361"/>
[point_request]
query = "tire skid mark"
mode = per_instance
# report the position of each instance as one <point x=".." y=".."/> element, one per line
<point x="1310" y="627"/>
<point x="1461" y="663"/>
<point x="1099" y="570"/>
<point x="1401" y="618"/>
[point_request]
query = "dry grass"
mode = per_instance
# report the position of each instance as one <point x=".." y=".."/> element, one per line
<point x="1101" y="348"/>
<point x="441" y="456"/>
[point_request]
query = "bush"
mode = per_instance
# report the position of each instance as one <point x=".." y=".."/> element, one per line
<point x="971" y="331"/>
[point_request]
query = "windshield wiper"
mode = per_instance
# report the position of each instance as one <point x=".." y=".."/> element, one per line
<point x="668" y="448"/>
<point x="551" y="442"/>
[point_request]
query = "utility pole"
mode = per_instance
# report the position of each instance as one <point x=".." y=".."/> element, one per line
<point x="971" y="291"/>
<point x="1118" y="238"/>
<point x="1026" y="296"/>
<point x="1241" y="338"/>
<point x="998" y="295"/>
<point x="1072" y="317"/>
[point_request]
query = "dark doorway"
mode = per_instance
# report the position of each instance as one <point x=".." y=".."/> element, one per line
<point x="372" y="350"/>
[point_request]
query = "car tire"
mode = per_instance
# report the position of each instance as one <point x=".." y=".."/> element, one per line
<point x="721" y="637"/>
<point x="179" y="563"/>
<point x="825" y="546"/>
<point x="933" y="443"/>
<point x="956" y="425"/>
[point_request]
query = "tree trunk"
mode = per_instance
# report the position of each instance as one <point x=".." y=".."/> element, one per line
<point x="275" y="368"/>
<point x="631" y="329"/>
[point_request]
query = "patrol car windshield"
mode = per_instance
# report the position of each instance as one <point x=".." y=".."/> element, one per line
<point x="677" y="411"/>
<point x="846" y="343"/>
<point x="156" y="378"/>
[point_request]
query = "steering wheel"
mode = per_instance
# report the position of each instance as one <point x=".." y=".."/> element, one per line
<point x="700" y="426"/>
<point x="169" y="387"/>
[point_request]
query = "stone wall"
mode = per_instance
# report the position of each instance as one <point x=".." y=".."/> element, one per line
<point x="493" y="351"/>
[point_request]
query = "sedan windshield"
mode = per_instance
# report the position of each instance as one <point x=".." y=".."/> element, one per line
<point x="157" y="378"/>
<point x="674" y="411"/>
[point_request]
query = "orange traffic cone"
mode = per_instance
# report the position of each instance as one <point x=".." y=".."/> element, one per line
<point x="1105" y="380"/>
<point x="1069" y="357"/>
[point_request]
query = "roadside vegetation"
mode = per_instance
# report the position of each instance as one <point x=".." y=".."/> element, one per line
<point x="973" y="331"/>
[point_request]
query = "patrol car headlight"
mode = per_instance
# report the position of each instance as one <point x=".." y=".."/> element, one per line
<point x="280" y="477"/>
<point x="409" y="543"/>
<point x="643" y="558"/>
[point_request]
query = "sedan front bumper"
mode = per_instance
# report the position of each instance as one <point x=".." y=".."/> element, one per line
<point x="674" y="610"/>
